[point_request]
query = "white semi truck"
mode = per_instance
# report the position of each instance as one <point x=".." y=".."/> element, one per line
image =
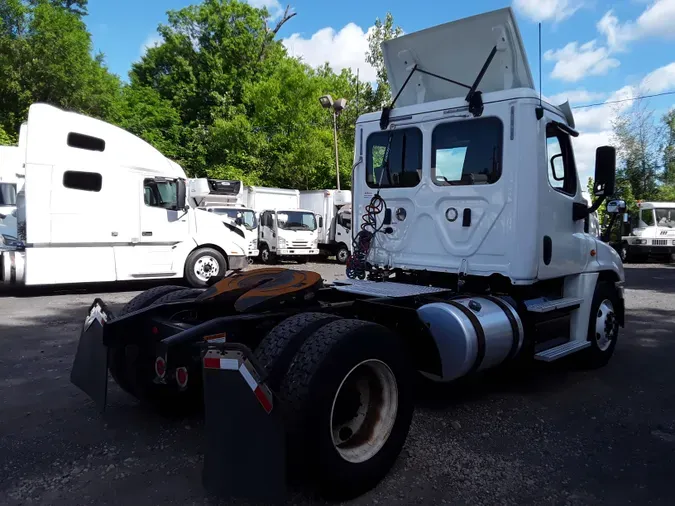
<point x="100" y="204"/>
<point x="334" y="211"/>
<point x="650" y="232"/>
<point x="472" y="250"/>
<point x="10" y="169"/>
<point x="228" y="200"/>
<point x="285" y="231"/>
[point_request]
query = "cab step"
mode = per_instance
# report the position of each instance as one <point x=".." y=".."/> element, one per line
<point x="543" y="305"/>
<point x="561" y="351"/>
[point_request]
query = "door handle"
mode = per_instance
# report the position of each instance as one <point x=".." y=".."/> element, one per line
<point x="146" y="234"/>
<point x="114" y="234"/>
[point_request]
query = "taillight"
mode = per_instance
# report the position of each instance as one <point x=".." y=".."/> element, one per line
<point x="160" y="367"/>
<point x="181" y="377"/>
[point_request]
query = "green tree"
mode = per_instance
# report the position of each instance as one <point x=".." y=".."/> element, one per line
<point x="45" y="54"/>
<point x="383" y="31"/>
<point x="638" y="139"/>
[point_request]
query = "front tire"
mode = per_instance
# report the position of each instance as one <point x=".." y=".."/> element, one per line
<point x="349" y="406"/>
<point x="342" y="254"/>
<point x="202" y="265"/>
<point x="266" y="256"/>
<point x="603" y="327"/>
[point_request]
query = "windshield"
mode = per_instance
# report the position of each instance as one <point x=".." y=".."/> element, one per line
<point x="296" y="220"/>
<point x="7" y="194"/>
<point x="665" y="217"/>
<point x="247" y="216"/>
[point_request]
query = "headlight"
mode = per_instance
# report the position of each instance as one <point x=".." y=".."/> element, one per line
<point x="282" y="242"/>
<point x="10" y="240"/>
<point x="640" y="241"/>
<point x="254" y="243"/>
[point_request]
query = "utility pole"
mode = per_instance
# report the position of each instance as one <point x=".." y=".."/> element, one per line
<point x="337" y="162"/>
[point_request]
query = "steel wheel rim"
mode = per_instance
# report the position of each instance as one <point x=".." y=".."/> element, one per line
<point x="206" y="267"/>
<point x="359" y="432"/>
<point x="342" y="255"/>
<point x="606" y="325"/>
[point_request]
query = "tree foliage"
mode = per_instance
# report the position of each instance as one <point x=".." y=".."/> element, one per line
<point x="382" y="31"/>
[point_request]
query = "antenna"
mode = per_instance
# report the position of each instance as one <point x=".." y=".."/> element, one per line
<point x="540" y="109"/>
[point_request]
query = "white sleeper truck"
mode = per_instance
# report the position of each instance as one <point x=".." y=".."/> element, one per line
<point x="334" y="211"/>
<point x="227" y="199"/>
<point x="99" y="204"/>
<point x="284" y="230"/>
<point x="651" y="232"/>
<point x="471" y="250"/>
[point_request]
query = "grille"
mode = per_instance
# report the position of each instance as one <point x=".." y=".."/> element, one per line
<point x="660" y="242"/>
<point x="300" y="244"/>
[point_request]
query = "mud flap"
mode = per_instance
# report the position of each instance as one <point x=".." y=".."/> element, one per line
<point x="245" y="453"/>
<point x="90" y="367"/>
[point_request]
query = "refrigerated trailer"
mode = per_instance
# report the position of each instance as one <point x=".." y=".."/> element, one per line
<point x="228" y="199"/>
<point x="99" y="204"/>
<point x="334" y="211"/>
<point x="472" y="250"/>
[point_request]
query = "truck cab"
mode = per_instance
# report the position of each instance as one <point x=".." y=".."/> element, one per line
<point x="10" y="171"/>
<point x="334" y="212"/>
<point x="288" y="233"/>
<point x="651" y="231"/>
<point x="99" y="204"/>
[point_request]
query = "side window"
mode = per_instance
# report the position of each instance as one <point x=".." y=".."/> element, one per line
<point x="467" y="152"/>
<point x="562" y="173"/>
<point x="404" y="167"/>
<point x="160" y="194"/>
<point x="85" y="181"/>
<point x="647" y="217"/>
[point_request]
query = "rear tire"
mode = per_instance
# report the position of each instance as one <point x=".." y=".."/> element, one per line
<point x="184" y="294"/>
<point x="603" y="327"/>
<point x="203" y="264"/>
<point x="280" y="345"/>
<point x="342" y="445"/>
<point x="146" y="298"/>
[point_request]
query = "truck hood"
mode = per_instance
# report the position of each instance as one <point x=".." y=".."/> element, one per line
<point x="212" y="224"/>
<point x="457" y="51"/>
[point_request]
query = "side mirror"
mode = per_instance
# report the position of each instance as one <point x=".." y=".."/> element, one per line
<point x="616" y="207"/>
<point x="557" y="167"/>
<point x="180" y="194"/>
<point x="320" y="221"/>
<point x="605" y="171"/>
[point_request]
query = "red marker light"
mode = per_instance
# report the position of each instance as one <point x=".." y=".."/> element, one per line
<point x="155" y="330"/>
<point x="160" y="367"/>
<point x="181" y="377"/>
<point x="592" y="252"/>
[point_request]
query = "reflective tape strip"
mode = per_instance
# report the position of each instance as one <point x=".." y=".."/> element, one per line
<point x="248" y="377"/>
<point x="229" y="364"/>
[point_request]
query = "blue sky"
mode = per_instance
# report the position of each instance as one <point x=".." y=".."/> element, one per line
<point x="594" y="50"/>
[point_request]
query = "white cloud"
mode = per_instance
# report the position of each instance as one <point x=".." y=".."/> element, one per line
<point x="655" y="21"/>
<point x="151" y="40"/>
<point x="584" y="152"/>
<point x="342" y="49"/>
<point x="600" y="118"/>
<point x="273" y="7"/>
<point x="574" y="62"/>
<point x="660" y="80"/>
<point x="575" y="97"/>
<point x="547" y="10"/>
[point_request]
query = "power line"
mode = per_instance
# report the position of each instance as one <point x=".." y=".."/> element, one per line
<point x="624" y="100"/>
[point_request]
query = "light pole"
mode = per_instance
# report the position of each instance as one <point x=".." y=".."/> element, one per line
<point x="337" y="107"/>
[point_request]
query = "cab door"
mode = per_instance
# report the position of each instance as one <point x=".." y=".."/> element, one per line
<point x="564" y="246"/>
<point x="163" y="226"/>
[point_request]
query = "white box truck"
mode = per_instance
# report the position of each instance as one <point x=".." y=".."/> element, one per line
<point x="285" y="230"/>
<point x="334" y="210"/>
<point x="227" y="199"/>
<point x="100" y="204"/>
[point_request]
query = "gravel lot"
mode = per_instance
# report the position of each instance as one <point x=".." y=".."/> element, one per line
<point x="552" y="436"/>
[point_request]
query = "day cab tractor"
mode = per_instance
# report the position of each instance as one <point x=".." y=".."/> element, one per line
<point x="471" y="250"/>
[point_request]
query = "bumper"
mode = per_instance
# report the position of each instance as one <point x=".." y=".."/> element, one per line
<point x="253" y="253"/>
<point x="650" y="249"/>
<point x="297" y="251"/>
<point x="237" y="262"/>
